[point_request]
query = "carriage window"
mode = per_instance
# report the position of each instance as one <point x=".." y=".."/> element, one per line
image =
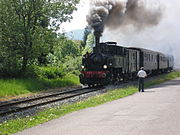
<point x="134" y="56"/>
<point x="145" y="57"/>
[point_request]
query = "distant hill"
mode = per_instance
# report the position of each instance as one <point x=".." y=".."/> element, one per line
<point x="75" y="34"/>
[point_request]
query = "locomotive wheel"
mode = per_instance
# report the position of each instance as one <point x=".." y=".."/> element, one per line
<point x="110" y="79"/>
<point x="90" y="85"/>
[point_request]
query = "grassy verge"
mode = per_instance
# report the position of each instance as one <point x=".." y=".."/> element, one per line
<point x="14" y="126"/>
<point x="15" y="87"/>
<point x="162" y="78"/>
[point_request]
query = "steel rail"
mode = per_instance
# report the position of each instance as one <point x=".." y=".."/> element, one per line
<point x="4" y="110"/>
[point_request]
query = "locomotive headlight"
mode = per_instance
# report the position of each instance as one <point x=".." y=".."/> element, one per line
<point x="105" y="66"/>
<point x="82" y="67"/>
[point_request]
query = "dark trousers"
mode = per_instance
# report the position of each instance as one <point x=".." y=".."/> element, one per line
<point x="141" y="84"/>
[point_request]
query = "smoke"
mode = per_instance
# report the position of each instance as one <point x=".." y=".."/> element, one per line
<point x="129" y="22"/>
<point x="163" y="38"/>
<point x="114" y="14"/>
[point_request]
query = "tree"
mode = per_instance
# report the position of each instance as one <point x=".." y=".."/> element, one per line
<point x="90" y="40"/>
<point x="89" y="43"/>
<point x="28" y="29"/>
<point x="87" y="31"/>
<point x="64" y="49"/>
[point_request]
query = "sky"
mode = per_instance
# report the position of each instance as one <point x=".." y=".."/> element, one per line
<point x="79" y="17"/>
<point x="165" y="37"/>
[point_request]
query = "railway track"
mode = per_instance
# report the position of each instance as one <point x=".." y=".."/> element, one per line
<point x="17" y="106"/>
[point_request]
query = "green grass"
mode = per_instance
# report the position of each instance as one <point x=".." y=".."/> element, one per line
<point x="13" y="126"/>
<point x="15" y="87"/>
<point x="162" y="78"/>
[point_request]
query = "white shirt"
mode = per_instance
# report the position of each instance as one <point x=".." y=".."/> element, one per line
<point x="142" y="74"/>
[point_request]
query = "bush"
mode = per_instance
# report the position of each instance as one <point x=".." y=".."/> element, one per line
<point x="32" y="72"/>
<point x="67" y="80"/>
<point x="51" y="72"/>
<point x="9" y="68"/>
<point x="44" y="72"/>
<point x="76" y="72"/>
<point x="72" y="65"/>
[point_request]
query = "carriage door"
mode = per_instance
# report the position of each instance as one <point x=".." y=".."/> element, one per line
<point x="158" y="61"/>
<point x="137" y="61"/>
<point x="141" y="62"/>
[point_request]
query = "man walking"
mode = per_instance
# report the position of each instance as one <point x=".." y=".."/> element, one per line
<point x="141" y="74"/>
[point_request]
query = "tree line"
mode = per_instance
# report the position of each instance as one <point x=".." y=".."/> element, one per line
<point x="28" y="35"/>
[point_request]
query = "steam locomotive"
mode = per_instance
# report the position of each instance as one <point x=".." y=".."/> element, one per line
<point x="110" y="63"/>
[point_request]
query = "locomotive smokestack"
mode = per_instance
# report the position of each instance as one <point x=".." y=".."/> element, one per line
<point x="97" y="40"/>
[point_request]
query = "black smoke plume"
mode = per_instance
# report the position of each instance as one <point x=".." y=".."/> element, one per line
<point x="118" y="13"/>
